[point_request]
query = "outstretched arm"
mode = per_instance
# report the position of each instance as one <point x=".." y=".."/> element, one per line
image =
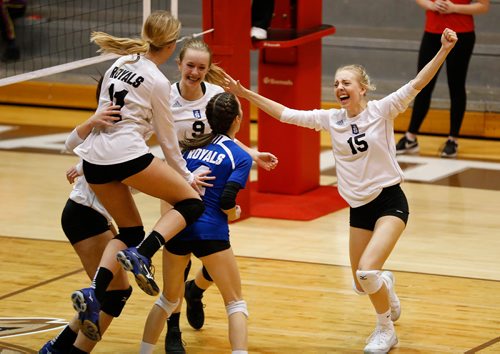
<point x="266" y="160"/>
<point x="274" y="109"/>
<point x="448" y="40"/>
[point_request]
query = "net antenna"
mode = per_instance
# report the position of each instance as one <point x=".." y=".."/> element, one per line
<point x="55" y="26"/>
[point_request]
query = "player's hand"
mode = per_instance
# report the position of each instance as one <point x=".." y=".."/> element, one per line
<point x="446" y="7"/>
<point x="201" y="178"/>
<point x="200" y="181"/>
<point x="448" y="39"/>
<point x="438" y="6"/>
<point x="234" y="86"/>
<point x="72" y="174"/>
<point x="266" y="160"/>
<point x="105" y="117"/>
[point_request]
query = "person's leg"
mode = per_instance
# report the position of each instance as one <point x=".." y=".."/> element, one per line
<point x="429" y="46"/>
<point x="161" y="181"/>
<point x="223" y="268"/>
<point x="387" y="231"/>
<point x="193" y="294"/>
<point x="369" y="279"/>
<point x="117" y="199"/>
<point x="457" y="64"/>
<point x="262" y="13"/>
<point x="86" y="344"/>
<point x="173" y="281"/>
<point x="7" y="30"/>
<point x="89" y="251"/>
<point x="408" y="144"/>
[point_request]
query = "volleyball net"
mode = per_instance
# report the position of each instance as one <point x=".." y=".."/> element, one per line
<point x="54" y="35"/>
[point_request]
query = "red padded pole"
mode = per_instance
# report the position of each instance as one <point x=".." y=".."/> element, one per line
<point x="230" y="43"/>
<point x="291" y="76"/>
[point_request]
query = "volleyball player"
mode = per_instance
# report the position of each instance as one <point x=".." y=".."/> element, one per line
<point x="368" y="174"/>
<point x="200" y="80"/>
<point x="117" y="158"/>
<point x="208" y="237"/>
<point x="88" y="226"/>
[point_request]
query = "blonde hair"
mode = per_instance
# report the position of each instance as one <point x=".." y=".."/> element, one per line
<point x="360" y="72"/>
<point x="159" y="30"/>
<point x="215" y="74"/>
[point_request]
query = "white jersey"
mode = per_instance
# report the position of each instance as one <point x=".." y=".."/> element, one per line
<point x="140" y="88"/>
<point x="84" y="195"/>
<point x="190" y="119"/>
<point x="363" y="146"/>
<point x="81" y="192"/>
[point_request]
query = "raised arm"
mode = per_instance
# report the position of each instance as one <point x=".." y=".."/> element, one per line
<point x="448" y="40"/>
<point x="274" y="109"/>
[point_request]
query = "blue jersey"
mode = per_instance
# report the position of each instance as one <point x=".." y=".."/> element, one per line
<point x="228" y="163"/>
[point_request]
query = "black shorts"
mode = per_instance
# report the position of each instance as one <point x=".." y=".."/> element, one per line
<point x="101" y="174"/>
<point x="80" y="222"/>
<point x="391" y="201"/>
<point x="199" y="248"/>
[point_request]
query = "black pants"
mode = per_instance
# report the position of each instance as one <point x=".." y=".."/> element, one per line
<point x="457" y="64"/>
<point x="262" y="13"/>
<point x="8" y="12"/>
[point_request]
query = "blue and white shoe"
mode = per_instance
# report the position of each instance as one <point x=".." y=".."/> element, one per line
<point x="88" y="308"/>
<point x="48" y="348"/>
<point x="141" y="267"/>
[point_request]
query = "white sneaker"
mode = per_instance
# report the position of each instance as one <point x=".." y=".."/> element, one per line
<point x="389" y="281"/>
<point x="258" y="33"/>
<point x="381" y="340"/>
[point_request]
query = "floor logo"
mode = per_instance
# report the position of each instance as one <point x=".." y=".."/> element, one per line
<point x="21" y="326"/>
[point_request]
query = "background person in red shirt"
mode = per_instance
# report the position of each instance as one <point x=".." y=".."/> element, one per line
<point x="458" y="16"/>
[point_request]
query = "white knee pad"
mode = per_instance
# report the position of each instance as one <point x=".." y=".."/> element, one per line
<point x="166" y="305"/>
<point x="237" y="306"/>
<point x="356" y="290"/>
<point x="369" y="280"/>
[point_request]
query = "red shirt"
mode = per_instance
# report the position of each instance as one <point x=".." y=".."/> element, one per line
<point x="436" y="22"/>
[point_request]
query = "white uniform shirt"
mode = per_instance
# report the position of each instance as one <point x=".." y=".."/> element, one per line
<point x="363" y="146"/>
<point x="81" y="192"/>
<point x="140" y="88"/>
<point x="189" y="116"/>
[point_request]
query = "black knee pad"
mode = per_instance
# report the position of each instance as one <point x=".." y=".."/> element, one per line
<point x="131" y="236"/>
<point x="191" y="209"/>
<point x="115" y="300"/>
<point x="205" y="274"/>
<point x="186" y="271"/>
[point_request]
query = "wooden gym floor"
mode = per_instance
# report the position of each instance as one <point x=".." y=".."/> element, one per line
<point x="295" y="275"/>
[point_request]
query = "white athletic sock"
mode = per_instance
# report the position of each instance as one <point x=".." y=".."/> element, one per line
<point x="384" y="319"/>
<point x="411" y="137"/>
<point x="147" y="348"/>
<point x="239" y="352"/>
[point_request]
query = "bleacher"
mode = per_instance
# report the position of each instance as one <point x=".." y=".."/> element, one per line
<point x="383" y="35"/>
